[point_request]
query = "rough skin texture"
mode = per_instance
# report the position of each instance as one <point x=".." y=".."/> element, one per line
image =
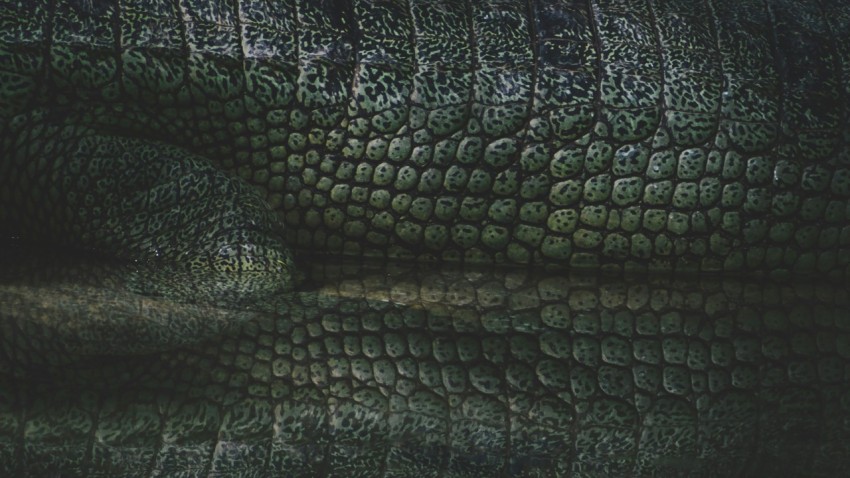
<point x="650" y="135"/>
<point x="671" y="135"/>
<point x="439" y="373"/>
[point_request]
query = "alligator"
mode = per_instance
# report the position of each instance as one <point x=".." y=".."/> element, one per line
<point x="215" y="145"/>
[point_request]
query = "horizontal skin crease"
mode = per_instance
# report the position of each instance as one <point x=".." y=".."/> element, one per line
<point x="649" y="135"/>
<point x="669" y="135"/>
<point x="403" y="373"/>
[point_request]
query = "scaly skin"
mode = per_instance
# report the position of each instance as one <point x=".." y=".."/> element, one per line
<point x="671" y="135"/>
<point x="437" y="373"/>
<point x="699" y="136"/>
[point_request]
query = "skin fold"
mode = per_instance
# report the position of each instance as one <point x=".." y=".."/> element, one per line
<point x="181" y="183"/>
<point x="401" y="371"/>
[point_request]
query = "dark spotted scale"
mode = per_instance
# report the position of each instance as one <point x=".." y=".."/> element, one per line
<point x="564" y="376"/>
<point x="654" y="135"/>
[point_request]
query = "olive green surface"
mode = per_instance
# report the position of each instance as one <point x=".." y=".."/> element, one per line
<point x="204" y="147"/>
<point x="698" y="136"/>
<point x="393" y="371"/>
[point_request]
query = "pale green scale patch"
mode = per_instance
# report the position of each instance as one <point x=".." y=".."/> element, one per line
<point x="364" y="173"/>
<point x="686" y="195"/>
<point x="430" y="181"/>
<point x="380" y="199"/>
<point x="627" y="190"/>
<point x="556" y="247"/>
<point x="421" y="208"/>
<point x="586" y="238"/>
<point x="376" y="149"/>
<point x="436" y="236"/>
<point x="297" y="142"/>
<point x="661" y="140"/>
<point x="758" y="170"/>
<point x="663" y="245"/>
<point x="298" y="119"/>
<point x="582" y="383"/>
<point x="655" y="219"/>
<point x="384" y="174"/>
<point x="358" y="127"/>
<point x="503" y="119"/>
<point x="598" y="188"/>
<point x="354" y="148"/>
<point x="677" y="223"/>
<point x="641" y="246"/>
<point x="399" y="148"/>
<point x="563" y="220"/>
<point x="567" y="162"/>
<point x="355" y="229"/>
<point x="533" y="187"/>
<point x="731" y="222"/>
<point x="566" y="192"/>
<point x="533" y="212"/>
<point x="495" y="236"/>
<point x="594" y="216"/>
<point x="552" y="375"/>
<point x="409" y="232"/>
<point x="569" y="123"/>
<point x="661" y="165"/>
<point x="599" y="156"/>
<point x="500" y="153"/>
<point x="709" y="191"/>
<point x="473" y="209"/>
<point x="479" y="181"/>
<point x="423" y="137"/>
<point x="406" y="179"/>
<point x="535" y="157"/>
<point x="456" y="178"/>
<point x="750" y="137"/>
<point x="630" y="218"/>
<point x="690" y="128"/>
<point x="630" y="159"/>
<point x="691" y="164"/>
<point x="390" y="121"/>
<point x="539" y="129"/>
<point x="383" y="221"/>
<point x="333" y="218"/>
<point x="464" y="235"/>
<point x="445" y="121"/>
<point x="506" y="183"/>
<point x="806" y="236"/>
<point x="633" y="124"/>
<point x="503" y="211"/>
<point x="733" y="165"/>
<point x="733" y="195"/>
<point x="530" y="234"/>
<point x="401" y="203"/>
<point x="470" y="150"/>
<point x="444" y="152"/>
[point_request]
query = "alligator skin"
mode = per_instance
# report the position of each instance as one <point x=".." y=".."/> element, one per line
<point x="404" y="372"/>
<point x="650" y="135"/>
<point x="672" y="135"/>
